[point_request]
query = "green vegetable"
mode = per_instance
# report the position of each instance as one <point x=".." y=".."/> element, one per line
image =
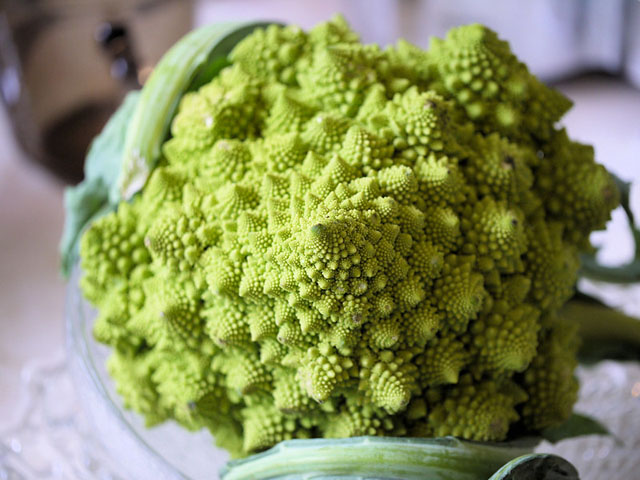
<point x="377" y="457"/>
<point x="622" y="274"/>
<point x="339" y="241"/>
<point x="605" y="333"/>
<point x="575" y="426"/>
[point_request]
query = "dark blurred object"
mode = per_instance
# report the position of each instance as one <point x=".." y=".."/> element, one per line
<point x="115" y="41"/>
<point x="65" y="66"/>
<point x="66" y="140"/>
<point x="69" y="137"/>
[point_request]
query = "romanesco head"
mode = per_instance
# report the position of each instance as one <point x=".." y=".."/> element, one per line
<point x="342" y="241"/>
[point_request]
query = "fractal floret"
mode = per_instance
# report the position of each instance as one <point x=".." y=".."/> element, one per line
<point x="340" y="240"/>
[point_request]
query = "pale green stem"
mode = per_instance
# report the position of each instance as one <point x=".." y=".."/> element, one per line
<point x="377" y="457"/>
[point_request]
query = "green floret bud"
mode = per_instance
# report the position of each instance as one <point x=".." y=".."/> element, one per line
<point x="134" y="382"/>
<point x="506" y="339"/>
<point x="577" y="191"/>
<point x="500" y="168"/>
<point x="165" y="186"/>
<point x="271" y="53"/>
<point x="178" y="307"/>
<point x="355" y="420"/>
<point x="549" y="381"/>
<point x="213" y="113"/>
<point x="443" y="360"/>
<point x="366" y="149"/>
<point x="439" y="181"/>
<point x="421" y="123"/>
<point x="340" y="240"/>
<point x="324" y="370"/>
<point x="390" y="381"/>
<point x="289" y="396"/>
<point x="287" y="115"/>
<point x="325" y="133"/>
<point x="553" y="265"/>
<point x="187" y="387"/>
<point x="496" y="235"/>
<point x="481" y="411"/>
<point x="225" y="323"/>
<point x="113" y="247"/>
<point x="226" y="161"/>
<point x="459" y="292"/>
<point x="264" y="426"/>
<point x="339" y="75"/>
<point x="336" y="30"/>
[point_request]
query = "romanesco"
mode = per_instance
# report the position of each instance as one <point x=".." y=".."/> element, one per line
<point x="341" y="240"/>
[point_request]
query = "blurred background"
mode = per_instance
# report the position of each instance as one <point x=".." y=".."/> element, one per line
<point x="66" y="64"/>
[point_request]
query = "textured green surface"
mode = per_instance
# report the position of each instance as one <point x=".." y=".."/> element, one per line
<point x="340" y="241"/>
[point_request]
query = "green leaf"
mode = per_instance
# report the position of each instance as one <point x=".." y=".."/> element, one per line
<point x="190" y="63"/>
<point x="379" y="458"/>
<point x="606" y="333"/>
<point x="628" y="273"/>
<point x="577" y="425"/>
<point x="537" y="466"/>
<point x="89" y="200"/>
